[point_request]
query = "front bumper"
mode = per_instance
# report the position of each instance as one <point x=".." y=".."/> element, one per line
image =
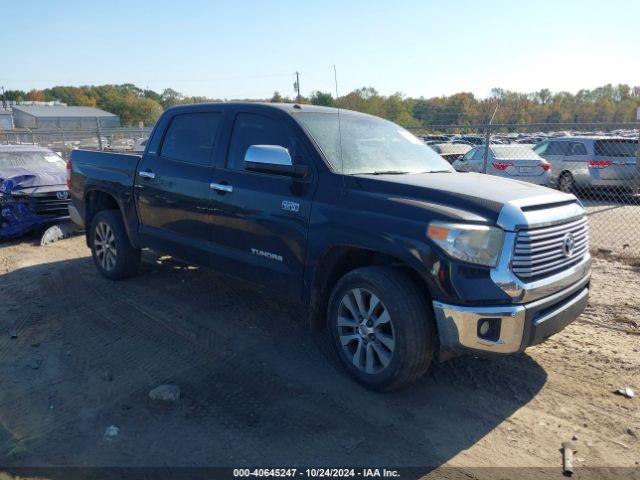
<point x="519" y="326"/>
<point x="75" y="216"/>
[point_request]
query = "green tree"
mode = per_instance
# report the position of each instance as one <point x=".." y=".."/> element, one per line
<point x="321" y="98"/>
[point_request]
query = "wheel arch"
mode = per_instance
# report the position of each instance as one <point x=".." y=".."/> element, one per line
<point x="337" y="261"/>
<point x="97" y="200"/>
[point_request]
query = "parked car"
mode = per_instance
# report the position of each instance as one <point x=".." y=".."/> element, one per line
<point x="510" y="161"/>
<point x="402" y="260"/>
<point x="33" y="190"/>
<point x="140" y="144"/>
<point x="473" y="139"/>
<point x="92" y="143"/>
<point x="451" y="151"/>
<point x="121" y="145"/>
<point x="597" y="161"/>
<point x="434" y="138"/>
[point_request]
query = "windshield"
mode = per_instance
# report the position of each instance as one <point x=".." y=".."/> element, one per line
<point x="31" y="159"/>
<point x="369" y="145"/>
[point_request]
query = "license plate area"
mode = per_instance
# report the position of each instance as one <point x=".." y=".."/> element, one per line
<point x="527" y="170"/>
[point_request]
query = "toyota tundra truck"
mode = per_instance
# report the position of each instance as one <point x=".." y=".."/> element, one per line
<point x="401" y="260"/>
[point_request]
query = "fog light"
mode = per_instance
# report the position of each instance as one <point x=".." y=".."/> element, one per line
<point x="484" y="328"/>
<point x="489" y="329"/>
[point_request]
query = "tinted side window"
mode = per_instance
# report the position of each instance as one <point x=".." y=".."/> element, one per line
<point x="578" y="149"/>
<point x="467" y="156"/>
<point x="558" y="148"/>
<point x="616" y="148"/>
<point x="253" y="129"/>
<point x="191" y="137"/>
<point x="479" y="155"/>
<point x="541" y="148"/>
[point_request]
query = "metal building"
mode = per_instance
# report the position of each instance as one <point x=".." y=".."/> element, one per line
<point x="6" y="120"/>
<point x="62" y="117"/>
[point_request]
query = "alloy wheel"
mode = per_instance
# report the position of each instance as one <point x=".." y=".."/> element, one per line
<point x="365" y="331"/>
<point x="104" y="242"/>
<point x="566" y="183"/>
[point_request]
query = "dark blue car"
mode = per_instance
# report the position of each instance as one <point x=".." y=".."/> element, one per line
<point x="33" y="189"/>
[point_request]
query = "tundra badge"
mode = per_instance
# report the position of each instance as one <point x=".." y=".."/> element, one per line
<point x="269" y="255"/>
<point x="290" y="206"/>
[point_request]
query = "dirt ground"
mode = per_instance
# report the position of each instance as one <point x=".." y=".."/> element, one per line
<point x="259" y="389"/>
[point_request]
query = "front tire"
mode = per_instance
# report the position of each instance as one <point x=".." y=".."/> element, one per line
<point x="381" y="327"/>
<point x="112" y="252"/>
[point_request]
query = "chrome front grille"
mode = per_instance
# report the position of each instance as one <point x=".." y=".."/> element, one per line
<point x="49" y="204"/>
<point x="540" y="252"/>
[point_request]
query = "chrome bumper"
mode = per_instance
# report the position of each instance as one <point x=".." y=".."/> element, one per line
<point x="520" y="326"/>
<point x="75" y="216"/>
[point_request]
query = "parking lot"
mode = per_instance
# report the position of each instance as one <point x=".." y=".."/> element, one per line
<point x="259" y="389"/>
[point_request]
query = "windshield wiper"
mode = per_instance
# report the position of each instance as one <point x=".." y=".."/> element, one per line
<point x="386" y="172"/>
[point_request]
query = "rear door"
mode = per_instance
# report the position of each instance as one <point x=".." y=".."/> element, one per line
<point x="172" y="186"/>
<point x="260" y="221"/>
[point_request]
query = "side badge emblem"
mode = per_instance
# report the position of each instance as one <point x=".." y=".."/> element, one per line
<point x="290" y="206"/>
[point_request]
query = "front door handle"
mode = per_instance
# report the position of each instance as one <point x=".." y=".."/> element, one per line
<point x="147" y="174"/>
<point x="221" y="187"/>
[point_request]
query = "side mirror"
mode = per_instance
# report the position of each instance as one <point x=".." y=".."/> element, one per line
<point x="272" y="159"/>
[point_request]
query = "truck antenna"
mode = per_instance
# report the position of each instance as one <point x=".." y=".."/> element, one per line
<point x="335" y="79"/>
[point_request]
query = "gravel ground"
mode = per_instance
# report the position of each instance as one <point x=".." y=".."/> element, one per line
<point x="613" y="226"/>
<point x="257" y="388"/>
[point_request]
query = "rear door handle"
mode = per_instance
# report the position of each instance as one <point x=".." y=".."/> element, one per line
<point x="221" y="187"/>
<point x="147" y="174"/>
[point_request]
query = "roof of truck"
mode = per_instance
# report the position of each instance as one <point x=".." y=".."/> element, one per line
<point x="287" y="107"/>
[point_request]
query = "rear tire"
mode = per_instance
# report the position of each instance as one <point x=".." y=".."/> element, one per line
<point x="381" y="327"/>
<point x="566" y="183"/>
<point x="112" y="252"/>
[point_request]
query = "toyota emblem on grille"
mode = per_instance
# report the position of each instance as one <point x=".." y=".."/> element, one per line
<point x="568" y="245"/>
<point x="62" y="195"/>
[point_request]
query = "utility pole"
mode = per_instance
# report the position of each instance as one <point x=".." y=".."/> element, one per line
<point x="4" y="99"/>
<point x="487" y="139"/>
<point x="296" y="86"/>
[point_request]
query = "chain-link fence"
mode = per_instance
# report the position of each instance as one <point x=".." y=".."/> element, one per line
<point x="597" y="162"/>
<point x="121" y="139"/>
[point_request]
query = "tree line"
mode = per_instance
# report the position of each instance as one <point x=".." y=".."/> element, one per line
<point x="608" y="104"/>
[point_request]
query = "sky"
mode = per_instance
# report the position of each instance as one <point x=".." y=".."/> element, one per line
<point x="251" y="48"/>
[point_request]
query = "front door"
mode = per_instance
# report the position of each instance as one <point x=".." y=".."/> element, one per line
<point x="260" y="221"/>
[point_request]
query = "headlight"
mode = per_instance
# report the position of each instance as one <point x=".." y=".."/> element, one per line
<point x="477" y="244"/>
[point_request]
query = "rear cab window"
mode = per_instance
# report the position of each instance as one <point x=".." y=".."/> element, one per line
<point x="191" y="137"/>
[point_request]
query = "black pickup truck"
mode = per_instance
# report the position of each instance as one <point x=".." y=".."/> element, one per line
<point x="403" y="260"/>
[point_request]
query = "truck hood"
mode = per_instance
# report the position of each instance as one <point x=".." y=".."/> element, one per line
<point x="25" y="180"/>
<point x="483" y="196"/>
